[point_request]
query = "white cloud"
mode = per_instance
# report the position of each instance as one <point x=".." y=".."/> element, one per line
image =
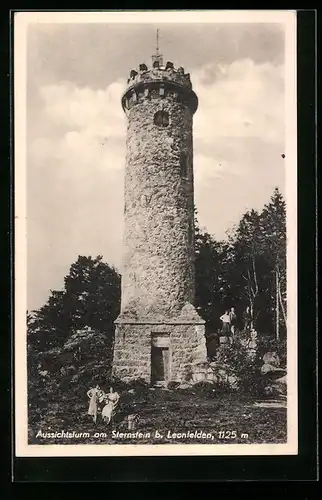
<point x="75" y="183"/>
<point x="75" y="174"/>
<point x="98" y="112"/>
<point x="207" y="168"/>
<point x="242" y="99"/>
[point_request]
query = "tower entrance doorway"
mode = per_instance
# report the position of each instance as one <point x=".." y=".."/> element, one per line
<point x="160" y="359"/>
<point x="159" y="365"/>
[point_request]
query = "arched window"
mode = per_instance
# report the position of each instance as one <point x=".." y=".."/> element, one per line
<point x="161" y="119"/>
<point x="183" y="165"/>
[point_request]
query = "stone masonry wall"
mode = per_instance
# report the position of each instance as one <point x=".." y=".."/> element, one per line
<point x="132" y="353"/>
<point x="188" y="348"/>
<point x="155" y="74"/>
<point x="132" y="350"/>
<point x="158" y="278"/>
<point x="158" y="259"/>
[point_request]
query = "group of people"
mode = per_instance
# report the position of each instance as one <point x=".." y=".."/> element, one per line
<point x="99" y="400"/>
<point x="229" y="320"/>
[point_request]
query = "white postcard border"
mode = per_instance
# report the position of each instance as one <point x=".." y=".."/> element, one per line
<point x="21" y="21"/>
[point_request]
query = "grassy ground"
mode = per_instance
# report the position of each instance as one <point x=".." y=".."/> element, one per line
<point x="225" y="418"/>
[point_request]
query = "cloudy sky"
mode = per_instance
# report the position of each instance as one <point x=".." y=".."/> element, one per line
<point x="76" y="128"/>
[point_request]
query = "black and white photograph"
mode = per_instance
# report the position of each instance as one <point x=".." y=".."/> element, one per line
<point x="156" y="233"/>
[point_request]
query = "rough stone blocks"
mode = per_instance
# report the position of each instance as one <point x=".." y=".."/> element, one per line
<point x="158" y="328"/>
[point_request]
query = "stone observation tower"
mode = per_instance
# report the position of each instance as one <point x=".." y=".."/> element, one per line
<point x="159" y="335"/>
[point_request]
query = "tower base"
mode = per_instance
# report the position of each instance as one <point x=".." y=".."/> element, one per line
<point x="159" y="352"/>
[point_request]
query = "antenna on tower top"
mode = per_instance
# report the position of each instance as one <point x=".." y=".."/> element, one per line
<point x="157" y="59"/>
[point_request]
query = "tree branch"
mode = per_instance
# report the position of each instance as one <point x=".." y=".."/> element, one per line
<point x="250" y="284"/>
<point x="281" y="303"/>
<point x="255" y="275"/>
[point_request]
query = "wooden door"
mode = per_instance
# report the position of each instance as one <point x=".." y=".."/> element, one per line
<point x="159" y="365"/>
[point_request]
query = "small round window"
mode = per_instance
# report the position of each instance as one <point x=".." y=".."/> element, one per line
<point x="161" y="119"/>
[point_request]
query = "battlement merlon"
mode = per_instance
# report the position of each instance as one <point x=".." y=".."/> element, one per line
<point x="166" y="79"/>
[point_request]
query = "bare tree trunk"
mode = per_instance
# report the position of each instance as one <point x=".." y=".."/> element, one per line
<point x="251" y="315"/>
<point x="277" y="306"/>
<point x="255" y="276"/>
<point x="281" y="302"/>
<point x="252" y="291"/>
<point x="251" y="303"/>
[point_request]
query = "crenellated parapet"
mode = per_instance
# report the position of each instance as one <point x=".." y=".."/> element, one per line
<point x="159" y="81"/>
